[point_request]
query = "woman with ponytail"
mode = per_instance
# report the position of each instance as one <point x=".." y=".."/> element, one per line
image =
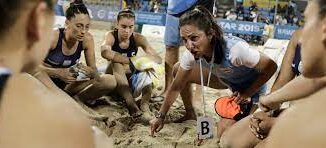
<point x="230" y="60"/>
<point x="61" y="65"/>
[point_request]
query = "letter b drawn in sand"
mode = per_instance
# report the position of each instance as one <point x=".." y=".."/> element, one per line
<point x="205" y="127"/>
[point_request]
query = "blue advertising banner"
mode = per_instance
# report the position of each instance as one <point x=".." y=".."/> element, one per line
<point x="284" y="32"/>
<point x="242" y="27"/>
<point x="151" y="18"/>
<point x="102" y="13"/>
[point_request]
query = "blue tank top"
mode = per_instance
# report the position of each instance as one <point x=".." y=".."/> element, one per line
<point x="296" y="63"/>
<point x="4" y="75"/>
<point x="57" y="59"/>
<point x="130" y="51"/>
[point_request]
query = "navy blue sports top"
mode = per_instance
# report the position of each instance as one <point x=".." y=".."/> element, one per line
<point x="296" y="63"/>
<point x="57" y="59"/>
<point x="130" y="51"/>
<point x="4" y="75"/>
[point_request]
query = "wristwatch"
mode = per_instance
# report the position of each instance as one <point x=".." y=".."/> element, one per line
<point x="160" y="115"/>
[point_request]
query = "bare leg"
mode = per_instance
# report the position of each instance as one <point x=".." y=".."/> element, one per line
<point x="45" y="79"/>
<point x="239" y="135"/>
<point x="124" y="90"/>
<point x="171" y="57"/>
<point x="186" y="93"/>
<point x="146" y="95"/>
<point x="93" y="89"/>
<point x="223" y="125"/>
<point x="144" y="103"/>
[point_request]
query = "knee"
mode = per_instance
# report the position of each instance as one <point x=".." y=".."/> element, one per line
<point x="175" y="69"/>
<point x="226" y="141"/>
<point x="172" y="48"/>
<point x="232" y="140"/>
<point x="121" y="80"/>
<point x="107" y="81"/>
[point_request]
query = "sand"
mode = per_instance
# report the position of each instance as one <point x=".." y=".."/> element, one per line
<point x="127" y="132"/>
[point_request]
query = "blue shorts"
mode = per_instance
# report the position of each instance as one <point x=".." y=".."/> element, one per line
<point x="255" y="97"/>
<point x="58" y="9"/>
<point x="172" y="35"/>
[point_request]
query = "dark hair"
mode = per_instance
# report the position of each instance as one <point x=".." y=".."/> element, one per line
<point x="204" y="20"/>
<point x="322" y="7"/>
<point x="126" y="13"/>
<point x="76" y="7"/>
<point x="10" y="9"/>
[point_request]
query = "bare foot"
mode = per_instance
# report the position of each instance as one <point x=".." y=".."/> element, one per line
<point x="136" y="114"/>
<point x="146" y="117"/>
<point x="144" y="107"/>
<point x="186" y="117"/>
<point x="134" y="110"/>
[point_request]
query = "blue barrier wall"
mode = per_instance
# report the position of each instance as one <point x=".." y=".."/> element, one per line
<point x="102" y="13"/>
<point x="242" y="27"/>
<point x="284" y="32"/>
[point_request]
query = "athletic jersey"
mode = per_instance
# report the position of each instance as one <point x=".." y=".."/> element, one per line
<point x="179" y="7"/>
<point x="237" y="67"/>
<point x="130" y="51"/>
<point x="296" y="63"/>
<point x="57" y="59"/>
<point x="4" y="75"/>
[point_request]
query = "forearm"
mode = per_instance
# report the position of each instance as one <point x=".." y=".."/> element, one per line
<point x="48" y="70"/>
<point x="116" y="57"/>
<point x="171" y="96"/>
<point x="45" y="79"/>
<point x="297" y="88"/>
<point x="168" y="101"/>
<point x="282" y="80"/>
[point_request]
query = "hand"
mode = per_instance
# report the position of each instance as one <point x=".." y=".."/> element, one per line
<point x="65" y="75"/>
<point x="88" y="71"/>
<point x="240" y="98"/>
<point x="267" y="104"/>
<point x="261" y="123"/>
<point x="109" y="53"/>
<point x="157" y="59"/>
<point x="156" y="125"/>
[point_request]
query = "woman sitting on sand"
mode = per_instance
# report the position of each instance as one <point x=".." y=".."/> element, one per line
<point x="62" y="62"/>
<point x="119" y="46"/>
<point x="231" y="61"/>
